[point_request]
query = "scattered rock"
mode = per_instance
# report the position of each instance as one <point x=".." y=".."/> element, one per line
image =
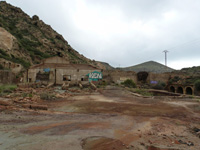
<point x="93" y="86"/>
<point x="176" y="142"/>
<point x="4" y="103"/>
<point x="142" y="144"/>
<point x="196" y="131"/>
<point x="189" y="143"/>
<point x="40" y="107"/>
<point x="36" y="107"/>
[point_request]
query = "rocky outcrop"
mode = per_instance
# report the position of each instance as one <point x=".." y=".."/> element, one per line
<point x="8" y="43"/>
<point x="27" y="40"/>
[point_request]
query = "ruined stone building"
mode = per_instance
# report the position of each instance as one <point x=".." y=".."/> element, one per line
<point x="57" y="70"/>
<point x="9" y="71"/>
<point x="13" y="67"/>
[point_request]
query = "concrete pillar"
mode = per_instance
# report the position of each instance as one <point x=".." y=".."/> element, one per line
<point x="176" y="89"/>
<point x="184" y="90"/>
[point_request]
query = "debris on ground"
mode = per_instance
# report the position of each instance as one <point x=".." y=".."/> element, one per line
<point x="196" y="131"/>
<point x="111" y="118"/>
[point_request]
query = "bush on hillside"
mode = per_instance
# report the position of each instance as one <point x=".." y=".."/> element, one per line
<point x="197" y="85"/>
<point x="159" y="86"/>
<point x="129" y="83"/>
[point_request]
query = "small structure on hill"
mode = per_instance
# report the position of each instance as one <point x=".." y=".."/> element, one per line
<point x="58" y="70"/>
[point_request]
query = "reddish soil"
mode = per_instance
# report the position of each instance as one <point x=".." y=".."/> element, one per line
<point x="107" y="119"/>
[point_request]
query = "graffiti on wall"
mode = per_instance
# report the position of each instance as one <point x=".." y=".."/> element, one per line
<point x="154" y="82"/>
<point x="95" y="76"/>
<point x="46" y="69"/>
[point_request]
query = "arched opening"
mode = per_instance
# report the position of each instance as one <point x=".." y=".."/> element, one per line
<point x="180" y="90"/>
<point x="172" y="89"/>
<point x="189" y="91"/>
<point x="142" y="76"/>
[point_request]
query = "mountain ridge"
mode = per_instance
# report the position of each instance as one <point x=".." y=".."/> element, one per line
<point x="149" y="66"/>
<point x="31" y="40"/>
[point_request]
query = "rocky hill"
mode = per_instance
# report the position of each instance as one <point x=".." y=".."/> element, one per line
<point x="195" y="70"/>
<point x="150" y="66"/>
<point x="104" y="65"/>
<point x="27" y="40"/>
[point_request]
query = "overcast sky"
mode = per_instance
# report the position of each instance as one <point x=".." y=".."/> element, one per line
<point x="125" y="32"/>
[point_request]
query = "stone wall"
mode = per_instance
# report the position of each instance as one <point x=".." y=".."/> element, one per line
<point x="159" y="77"/>
<point x="57" y="75"/>
<point x="118" y="76"/>
<point x="7" y="77"/>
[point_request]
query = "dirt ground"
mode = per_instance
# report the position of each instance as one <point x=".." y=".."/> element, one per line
<point x="106" y="119"/>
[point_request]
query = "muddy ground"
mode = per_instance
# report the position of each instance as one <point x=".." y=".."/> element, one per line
<point x="106" y="119"/>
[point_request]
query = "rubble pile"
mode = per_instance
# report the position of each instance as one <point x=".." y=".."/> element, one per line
<point x="36" y="96"/>
<point x="196" y="131"/>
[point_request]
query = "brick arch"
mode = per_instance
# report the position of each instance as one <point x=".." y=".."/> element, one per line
<point x="189" y="90"/>
<point x="180" y="90"/>
<point x="172" y="89"/>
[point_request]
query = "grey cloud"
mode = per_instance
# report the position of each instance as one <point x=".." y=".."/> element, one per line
<point x="179" y="35"/>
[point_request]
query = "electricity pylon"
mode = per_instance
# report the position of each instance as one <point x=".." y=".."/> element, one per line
<point x="165" y="51"/>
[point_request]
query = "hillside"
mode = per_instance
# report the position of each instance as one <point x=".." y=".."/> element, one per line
<point x="191" y="70"/>
<point x="150" y="66"/>
<point x="104" y="65"/>
<point x="27" y="40"/>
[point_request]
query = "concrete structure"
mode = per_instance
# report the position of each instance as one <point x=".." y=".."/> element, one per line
<point x="57" y="70"/>
<point x="151" y="79"/>
<point x="14" y="67"/>
<point x="118" y="76"/>
<point x="182" y="89"/>
<point x="7" y="77"/>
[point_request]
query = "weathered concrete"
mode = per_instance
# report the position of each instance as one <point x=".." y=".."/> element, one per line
<point x="6" y="77"/>
<point x="60" y="71"/>
<point x="182" y="89"/>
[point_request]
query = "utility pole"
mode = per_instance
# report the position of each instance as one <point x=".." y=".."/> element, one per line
<point x="165" y="51"/>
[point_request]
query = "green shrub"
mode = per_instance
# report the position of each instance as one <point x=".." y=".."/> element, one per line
<point x="129" y="83"/>
<point x="21" y="61"/>
<point x="159" y="86"/>
<point x="27" y="95"/>
<point x="1" y="67"/>
<point x="175" y="79"/>
<point x="7" y="88"/>
<point x="47" y="96"/>
<point x="143" y="92"/>
<point x="2" y="52"/>
<point x="104" y="83"/>
<point x="197" y="85"/>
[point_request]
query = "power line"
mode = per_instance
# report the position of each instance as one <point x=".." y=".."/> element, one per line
<point x="185" y="43"/>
